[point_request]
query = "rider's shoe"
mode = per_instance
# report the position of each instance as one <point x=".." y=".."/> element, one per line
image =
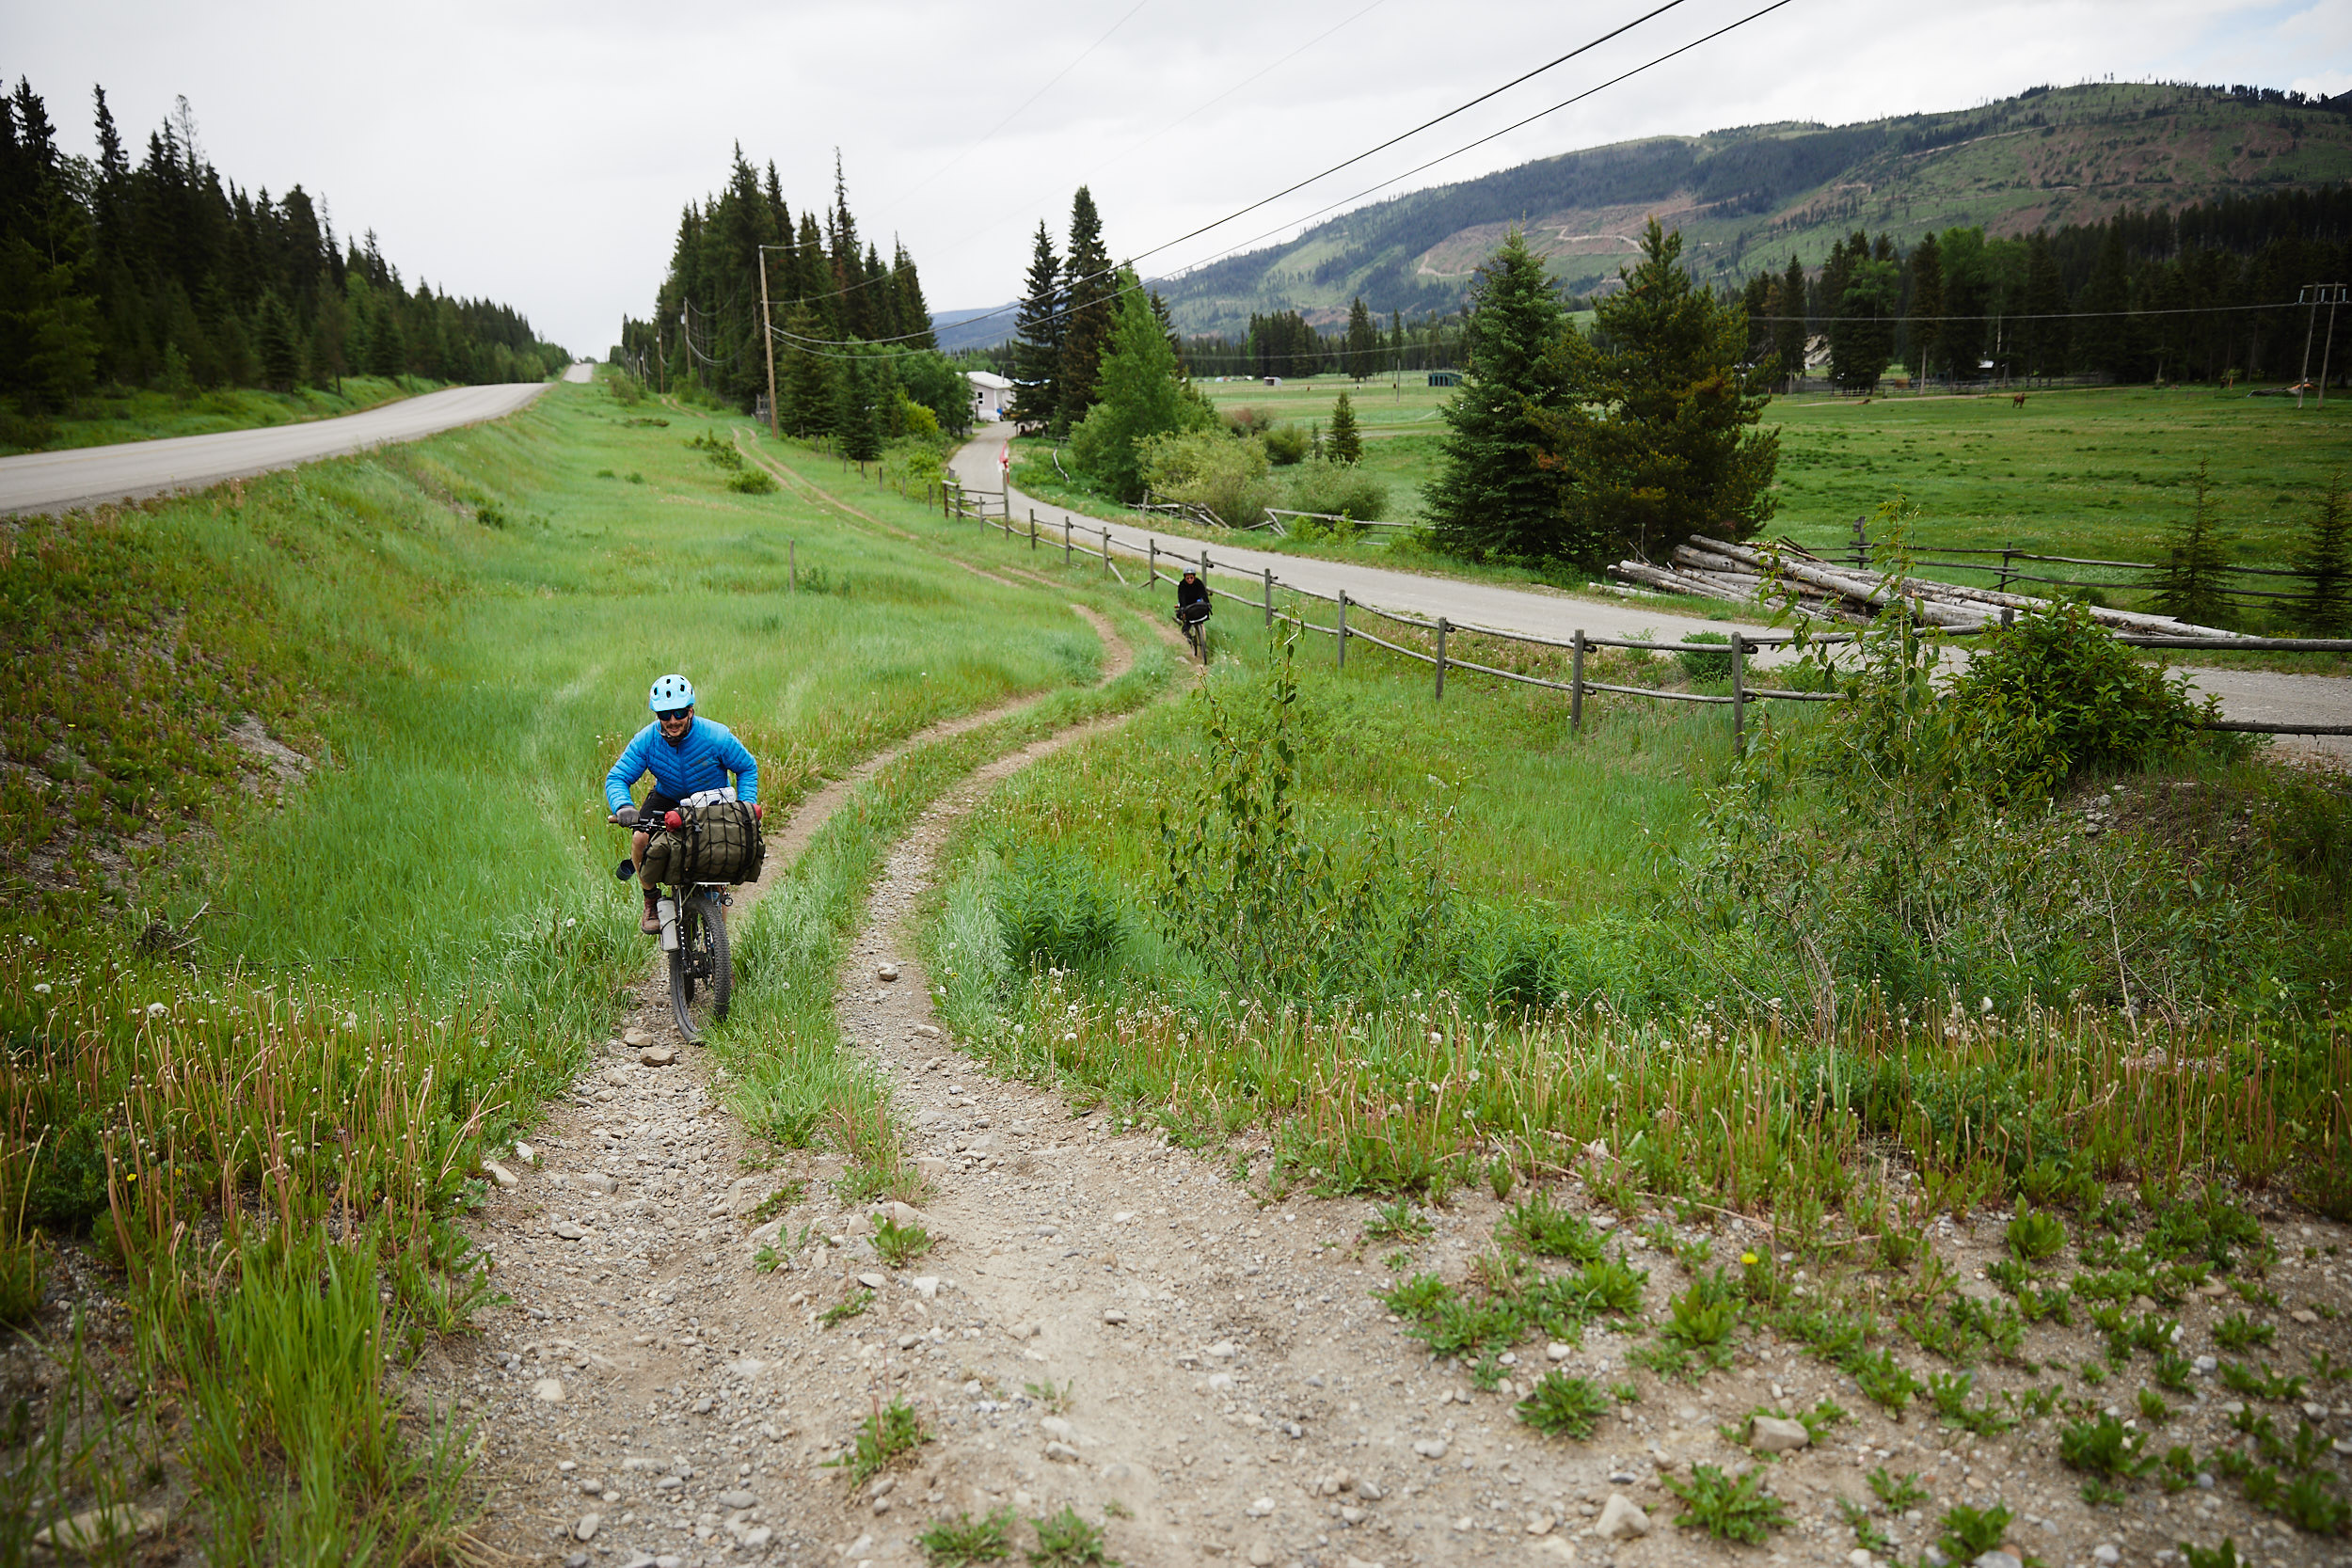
<point x="651" y="924"/>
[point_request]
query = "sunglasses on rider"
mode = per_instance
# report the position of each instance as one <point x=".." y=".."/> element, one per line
<point x="667" y="714"/>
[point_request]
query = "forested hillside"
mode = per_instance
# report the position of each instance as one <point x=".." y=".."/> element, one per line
<point x="1746" y="199"/>
<point x="160" y="273"/>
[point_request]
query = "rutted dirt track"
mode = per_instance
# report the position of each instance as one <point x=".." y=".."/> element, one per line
<point x="1233" y="1390"/>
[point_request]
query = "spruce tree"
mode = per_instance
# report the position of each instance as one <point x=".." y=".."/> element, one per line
<point x="1036" y="336"/>
<point x="1491" y="497"/>
<point x="1346" y="445"/>
<point x="388" y="347"/>
<point x="1788" y="335"/>
<point x="1652" y="431"/>
<point x="856" y="422"/>
<point x="1090" y="307"/>
<point x="803" y="378"/>
<point x="1363" y="340"/>
<point x="2045" y="328"/>
<point x="2323" y="557"/>
<point x="1927" y="307"/>
<point x="276" y="346"/>
<point x="2188" y="583"/>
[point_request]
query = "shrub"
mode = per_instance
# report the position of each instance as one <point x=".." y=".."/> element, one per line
<point x="2052" y="695"/>
<point x="1341" y="489"/>
<point x="752" y="481"/>
<point x="1203" y="468"/>
<point x="1053" y="910"/>
<point x="1706" y="666"/>
<point x="1286" y="444"/>
<point x="1246" y="421"/>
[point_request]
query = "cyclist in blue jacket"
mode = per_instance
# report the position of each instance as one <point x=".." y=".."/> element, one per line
<point x="685" y="756"/>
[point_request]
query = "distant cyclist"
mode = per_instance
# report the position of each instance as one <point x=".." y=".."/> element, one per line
<point x="685" y="756"/>
<point x="1192" y="598"/>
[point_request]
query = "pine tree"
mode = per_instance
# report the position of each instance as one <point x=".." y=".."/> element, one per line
<point x="2188" y="583"/>
<point x="280" y="350"/>
<point x="805" y="379"/>
<point x="1346" y="445"/>
<point x="388" y="345"/>
<point x="1036" y="336"/>
<point x="1090" y="308"/>
<point x="2046" y="328"/>
<point x="2323" y="557"/>
<point x="1363" y="340"/>
<point x="856" y="422"/>
<point x="1927" y="307"/>
<point x="1868" y="297"/>
<point x="2105" y="339"/>
<point x="915" y="315"/>
<point x="1491" y="497"/>
<point x="1788" y="335"/>
<point x="1652" y="429"/>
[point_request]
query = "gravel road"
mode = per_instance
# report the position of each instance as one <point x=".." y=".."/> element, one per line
<point x="133" y="470"/>
<point x="2246" y="695"/>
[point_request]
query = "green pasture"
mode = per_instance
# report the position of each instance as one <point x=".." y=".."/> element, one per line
<point x="139" y="414"/>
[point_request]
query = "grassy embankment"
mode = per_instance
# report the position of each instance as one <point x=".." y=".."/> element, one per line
<point x="128" y="414"/>
<point x="1367" y="945"/>
<point x="254" y="1090"/>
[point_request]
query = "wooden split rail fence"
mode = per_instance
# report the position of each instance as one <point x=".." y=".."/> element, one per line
<point x="1096" y="541"/>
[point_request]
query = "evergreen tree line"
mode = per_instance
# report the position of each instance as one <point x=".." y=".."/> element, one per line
<point x="162" y="274"/>
<point x="2147" y="293"/>
<point x="1285" y="344"/>
<point x="855" y="351"/>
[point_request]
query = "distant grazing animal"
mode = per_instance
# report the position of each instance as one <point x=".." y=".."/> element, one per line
<point x="2017" y="400"/>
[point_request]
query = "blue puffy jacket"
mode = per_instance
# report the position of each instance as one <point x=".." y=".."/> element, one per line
<point x="701" y="759"/>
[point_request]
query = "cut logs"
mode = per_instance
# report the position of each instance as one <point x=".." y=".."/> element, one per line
<point x="1718" y="569"/>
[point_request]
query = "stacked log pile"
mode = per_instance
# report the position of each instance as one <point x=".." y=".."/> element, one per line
<point x="1716" y="569"/>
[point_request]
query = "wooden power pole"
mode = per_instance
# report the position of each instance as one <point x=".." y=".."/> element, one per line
<point x="768" y="337"/>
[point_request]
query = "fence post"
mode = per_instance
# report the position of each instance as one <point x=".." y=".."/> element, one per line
<point x="1106" y="552"/>
<point x="1738" y="692"/>
<point x="1152" y="566"/>
<point x="1441" y="631"/>
<point x="942" y="497"/>
<point x="1065" y="539"/>
<point x="1033" y="530"/>
<point x="2006" y="614"/>
<point x="1342" y="629"/>
<point x="1269" y="599"/>
<point x="1576" y="685"/>
<point x="2005" y="555"/>
<point x="1204" y="568"/>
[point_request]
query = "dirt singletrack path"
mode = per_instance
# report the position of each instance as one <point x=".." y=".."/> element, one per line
<point x="1110" y="1322"/>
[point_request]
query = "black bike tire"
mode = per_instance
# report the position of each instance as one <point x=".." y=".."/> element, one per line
<point x="714" y="920"/>
<point x="682" y="983"/>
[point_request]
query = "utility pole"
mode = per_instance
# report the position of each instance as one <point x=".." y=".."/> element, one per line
<point x="768" y="337"/>
<point x="2314" y="295"/>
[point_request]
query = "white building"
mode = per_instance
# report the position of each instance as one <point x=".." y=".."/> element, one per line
<point x="992" y="396"/>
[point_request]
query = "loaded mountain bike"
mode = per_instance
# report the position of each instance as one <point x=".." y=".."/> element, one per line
<point x="1196" y="634"/>
<point x="695" y="951"/>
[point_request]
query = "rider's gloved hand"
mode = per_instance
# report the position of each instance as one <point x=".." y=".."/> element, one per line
<point x="626" y="816"/>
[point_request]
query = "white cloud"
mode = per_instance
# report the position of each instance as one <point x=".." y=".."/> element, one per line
<point x="540" y="153"/>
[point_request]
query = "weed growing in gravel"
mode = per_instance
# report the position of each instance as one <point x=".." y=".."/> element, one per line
<point x="2311" y="1504"/>
<point x="892" y="1429"/>
<point x="1867" y="1533"/>
<point x="1728" y="1509"/>
<point x="899" y="1244"/>
<point x="843" y="1310"/>
<point x="1564" y="1406"/>
<point x="2104" y="1448"/>
<point x="1887" y="1382"/>
<point x="778" y="1201"/>
<point x="1540" y="1226"/>
<point x="1066" y="1541"/>
<point x="2223" y="1556"/>
<point x="1968" y="1532"/>
<point x="1053" y="1401"/>
<point x="766" y="1260"/>
<point x="962" y="1541"/>
<point x="2035" y="1234"/>
<point x="2238" y="1332"/>
<point x="1897" y="1494"/>
<point x="1397" y="1221"/>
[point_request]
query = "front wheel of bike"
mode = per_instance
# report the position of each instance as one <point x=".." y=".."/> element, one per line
<point x="702" y="967"/>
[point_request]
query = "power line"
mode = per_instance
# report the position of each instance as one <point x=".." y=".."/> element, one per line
<point x="1405" y="135"/>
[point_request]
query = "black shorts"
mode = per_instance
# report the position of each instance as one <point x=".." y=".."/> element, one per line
<point x="649" y="815"/>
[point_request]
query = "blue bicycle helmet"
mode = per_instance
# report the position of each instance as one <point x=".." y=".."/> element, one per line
<point x="671" y="693"/>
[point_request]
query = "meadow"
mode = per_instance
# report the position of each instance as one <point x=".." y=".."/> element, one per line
<point x="260" y="1041"/>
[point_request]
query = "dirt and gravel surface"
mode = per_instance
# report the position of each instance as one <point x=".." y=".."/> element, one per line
<point x="2247" y="695"/>
<point x="1113" y="1322"/>
<point x="134" y="471"/>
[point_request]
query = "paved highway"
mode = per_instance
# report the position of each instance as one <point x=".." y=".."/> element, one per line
<point x="87" y="476"/>
<point x="2246" y="695"/>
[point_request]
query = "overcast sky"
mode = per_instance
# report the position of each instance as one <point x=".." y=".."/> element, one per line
<point x="539" y="153"/>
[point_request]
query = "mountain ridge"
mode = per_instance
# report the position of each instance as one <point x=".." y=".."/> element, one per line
<point x="1747" y="197"/>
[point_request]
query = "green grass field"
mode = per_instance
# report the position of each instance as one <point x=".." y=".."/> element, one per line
<point x="120" y="414"/>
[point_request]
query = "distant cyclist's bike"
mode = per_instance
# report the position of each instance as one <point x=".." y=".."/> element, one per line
<point x="1196" y="633"/>
<point x="694" y="942"/>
